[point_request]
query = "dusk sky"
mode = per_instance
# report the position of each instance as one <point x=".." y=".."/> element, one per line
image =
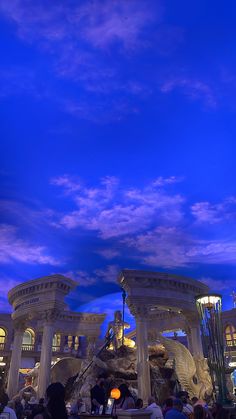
<point x="118" y="126"/>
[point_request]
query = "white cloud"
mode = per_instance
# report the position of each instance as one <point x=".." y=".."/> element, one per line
<point x="219" y="284"/>
<point x="15" y="249"/>
<point x="116" y="212"/>
<point x="205" y="212"/>
<point x="154" y="225"/>
<point x="108" y="253"/>
<point x="161" y="181"/>
<point x="7" y="284"/>
<point x="170" y="247"/>
<point x="194" y="89"/>
<point x="85" y="279"/>
<point x="108" y="274"/>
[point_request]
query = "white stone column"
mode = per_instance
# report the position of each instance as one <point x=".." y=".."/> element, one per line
<point x="13" y="375"/>
<point x="46" y="357"/>
<point x="194" y="337"/>
<point x="196" y="341"/>
<point x="143" y="368"/>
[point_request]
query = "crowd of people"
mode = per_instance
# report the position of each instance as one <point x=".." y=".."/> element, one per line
<point x="179" y="407"/>
<point x="54" y="406"/>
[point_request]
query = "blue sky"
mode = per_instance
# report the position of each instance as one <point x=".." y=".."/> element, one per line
<point x="117" y="142"/>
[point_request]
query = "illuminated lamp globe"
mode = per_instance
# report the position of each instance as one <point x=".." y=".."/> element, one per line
<point x="115" y="393"/>
<point x="208" y="301"/>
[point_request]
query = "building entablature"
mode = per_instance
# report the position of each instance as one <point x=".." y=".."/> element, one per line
<point x="229" y="316"/>
<point x="35" y="297"/>
<point x="134" y="280"/>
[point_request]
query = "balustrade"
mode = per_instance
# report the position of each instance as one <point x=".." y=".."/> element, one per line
<point x="27" y="347"/>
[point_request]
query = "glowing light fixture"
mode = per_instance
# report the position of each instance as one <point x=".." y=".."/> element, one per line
<point x="115" y="393"/>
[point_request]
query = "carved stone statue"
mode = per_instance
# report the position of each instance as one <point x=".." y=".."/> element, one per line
<point x="164" y="381"/>
<point x="193" y="375"/>
<point x="117" y="327"/>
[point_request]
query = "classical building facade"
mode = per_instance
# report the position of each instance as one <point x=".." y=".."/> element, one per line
<point x="162" y="302"/>
<point x="42" y="329"/>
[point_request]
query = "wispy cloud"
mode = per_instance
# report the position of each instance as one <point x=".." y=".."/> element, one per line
<point x="172" y="247"/>
<point x="219" y="284"/>
<point x="162" y="246"/>
<point x="15" y="249"/>
<point x="194" y="89"/>
<point x="152" y="224"/>
<point x="115" y="212"/>
<point x="108" y="253"/>
<point x="7" y="283"/>
<point x="107" y="274"/>
<point x="162" y="181"/>
<point x="206" y="212"/>
<point x="83" y="278"/>
<point x="79" y="41"/>
<point x="99" y="24"/>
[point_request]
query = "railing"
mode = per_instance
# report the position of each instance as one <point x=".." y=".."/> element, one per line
<point x="27" y="347"/>
<point x="231" y="342"/>
<point x="56" y="349"/>
<point x="2" y="346"/>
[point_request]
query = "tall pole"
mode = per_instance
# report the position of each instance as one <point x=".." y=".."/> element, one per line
<point x="123" y="315"/>
<point x="209" y="309"/>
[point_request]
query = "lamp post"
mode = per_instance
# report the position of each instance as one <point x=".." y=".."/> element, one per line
<point x="210" y="309"/>
<point x="123" y="315"/>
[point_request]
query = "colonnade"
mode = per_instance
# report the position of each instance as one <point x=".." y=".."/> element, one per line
<point x="48" y="319"/>
<point x="13" y="375"/>
<point x="142" y="320"/>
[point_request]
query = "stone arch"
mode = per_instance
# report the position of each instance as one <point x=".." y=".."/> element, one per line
<point x="28" y="339"/>
<point x="3" y="336"/>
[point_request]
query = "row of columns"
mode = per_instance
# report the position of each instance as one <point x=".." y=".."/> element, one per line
<point x="49" y="318"/>
<point x="45" y="358"/>
<point x="143" y="368"/>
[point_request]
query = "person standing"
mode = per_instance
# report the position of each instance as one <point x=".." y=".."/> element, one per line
<point x="176" y="411"/>
<point x="56" y="407"/>
<point x="3" y="405"/>
<point x="98" y="396"/>
<point x="154" y="408"/>
<point x="126" y="400"/>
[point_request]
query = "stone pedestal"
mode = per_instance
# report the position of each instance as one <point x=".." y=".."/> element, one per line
<point x="143" y="368"/>
<point x="13" y="376"/>
<point x="45" y="359"/>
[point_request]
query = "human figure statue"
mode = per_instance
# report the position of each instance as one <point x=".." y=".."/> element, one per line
<point x="116" y="327"/>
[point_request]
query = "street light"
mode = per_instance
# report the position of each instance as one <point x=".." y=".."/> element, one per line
<point x="210" y="310"/>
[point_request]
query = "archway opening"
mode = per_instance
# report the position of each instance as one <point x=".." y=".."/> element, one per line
<point x="230" y="335"/>
<point x="28" y="340"/>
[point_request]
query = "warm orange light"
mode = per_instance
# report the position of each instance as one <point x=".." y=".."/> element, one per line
<point x="115" y="393"/>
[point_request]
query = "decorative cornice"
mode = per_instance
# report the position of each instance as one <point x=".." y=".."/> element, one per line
<point x="39" y="285"/>
<point x="19" y="325"/>
<point x="85" y="317"/>
<point x="145" y="279"/>
<point x="50" y="316"/>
